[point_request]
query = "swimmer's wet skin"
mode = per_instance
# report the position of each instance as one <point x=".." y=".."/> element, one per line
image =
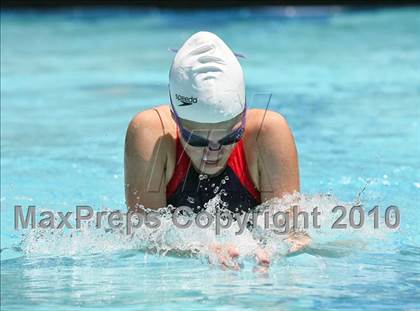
<point x="206" y="143"/>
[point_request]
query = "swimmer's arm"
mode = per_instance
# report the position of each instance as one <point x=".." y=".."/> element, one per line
<point x="277" y="158"/>
<point x="279" y="169"/>
<point x="144" y="162"/>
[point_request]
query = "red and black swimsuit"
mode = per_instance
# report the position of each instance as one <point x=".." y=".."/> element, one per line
<point x="188" y="187"/>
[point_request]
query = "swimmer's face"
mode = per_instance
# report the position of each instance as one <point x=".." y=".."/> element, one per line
<point x="206" y="160"/>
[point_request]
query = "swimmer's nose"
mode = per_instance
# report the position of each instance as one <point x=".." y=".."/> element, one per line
<point x="211" y="156"/>
<point x="214" y="146"/>
<point x="212" y="153"/>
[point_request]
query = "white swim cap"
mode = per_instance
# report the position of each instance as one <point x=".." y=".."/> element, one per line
<point x="206" y="82"/>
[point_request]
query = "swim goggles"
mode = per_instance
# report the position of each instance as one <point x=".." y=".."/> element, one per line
<point x="199" y="141"/>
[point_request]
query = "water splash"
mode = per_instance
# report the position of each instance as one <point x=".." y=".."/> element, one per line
<point x="167" y="239"/>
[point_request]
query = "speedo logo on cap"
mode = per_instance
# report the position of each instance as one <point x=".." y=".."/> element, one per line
<point x="186" y="101"/>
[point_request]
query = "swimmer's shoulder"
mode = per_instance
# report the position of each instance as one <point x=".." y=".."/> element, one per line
<point x="264" y="127"/>
<point x="167" y="120"/>
<point x="264" y="122"/>
<point x="153" y="132"/>
<point x="156" y="121"/>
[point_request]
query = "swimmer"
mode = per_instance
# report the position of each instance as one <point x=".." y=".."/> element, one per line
<point x="207" y="142"/>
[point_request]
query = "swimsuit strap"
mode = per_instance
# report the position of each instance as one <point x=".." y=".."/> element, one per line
<point x="161" y="122"/>
<point x="182" y="167"/>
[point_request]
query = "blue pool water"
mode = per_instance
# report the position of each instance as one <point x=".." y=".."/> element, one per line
<point x="348" y="82"/>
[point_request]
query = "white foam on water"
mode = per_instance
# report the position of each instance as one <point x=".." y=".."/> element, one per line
<point x="195" y="241"/>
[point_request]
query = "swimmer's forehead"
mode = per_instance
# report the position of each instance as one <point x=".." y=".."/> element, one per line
<point x="224" y="125"/>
